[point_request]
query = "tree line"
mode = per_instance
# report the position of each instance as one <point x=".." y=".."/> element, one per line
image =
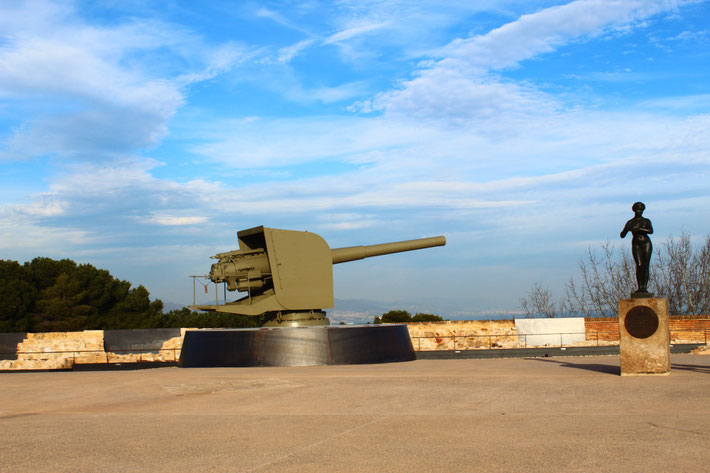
<point x="680" y="272"/>
<point x="46" y="295"/>
<point x="403" y="316"/>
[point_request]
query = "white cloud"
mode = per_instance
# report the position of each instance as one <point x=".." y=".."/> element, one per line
<point x="92" y="134"/>
<point x="461" y="85"/>
<point x="218" y="60"/>
<point x="23" y="237"/>
<point x="680" y="103"/>
<point x="442" y="93"/>
<point x="695" y="36"/>
<point x="354" y="31"/>
<point x="119" y="197"/>
<point x="282" y="142"/>
<point x="325" y="95"/>
<point x="42" y="208"/>
<point x="548" y="29"/>
<point x="410" y="27"/>
<point x="175" y="220"/>
<point x="76" y="62"/>
<point x="278" y="18"/>
<point x="537" y="175"/>
<point x="287" y="53"/>
<point x="364" y="30"/>
<point x="93" y="98"/>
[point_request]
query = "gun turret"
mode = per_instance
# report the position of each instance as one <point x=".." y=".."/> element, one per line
<point x="288" y="275"/>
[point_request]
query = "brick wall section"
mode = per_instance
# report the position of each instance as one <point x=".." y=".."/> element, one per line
<point x="604" y="329"/>
<point x="690" y="328"/>
<point x="684" y="328"/>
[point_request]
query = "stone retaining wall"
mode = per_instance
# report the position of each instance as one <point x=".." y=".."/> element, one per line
<point x="463" y="335"/>
<point x="62" y="350"/>
<point x="481" y="334"/>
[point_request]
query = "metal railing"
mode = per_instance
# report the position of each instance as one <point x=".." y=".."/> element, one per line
<point x="520" y="340"/>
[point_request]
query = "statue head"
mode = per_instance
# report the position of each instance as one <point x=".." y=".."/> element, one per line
<point x="638" y="208"/>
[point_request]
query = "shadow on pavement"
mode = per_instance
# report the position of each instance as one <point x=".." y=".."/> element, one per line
<point x="694" y="368"/>
<point x="599" y="368"/>
<point x="616" y="370"/>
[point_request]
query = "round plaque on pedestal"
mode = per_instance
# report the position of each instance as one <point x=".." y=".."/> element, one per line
<point x="641" y="322"/>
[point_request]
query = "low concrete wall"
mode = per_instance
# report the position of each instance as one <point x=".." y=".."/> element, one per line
<point x="551" y="332"/>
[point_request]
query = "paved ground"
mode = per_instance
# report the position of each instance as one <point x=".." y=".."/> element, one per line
<point x="502" y="415"/>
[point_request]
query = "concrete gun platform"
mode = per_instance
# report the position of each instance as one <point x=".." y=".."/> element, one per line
<point x="508" y="415"/>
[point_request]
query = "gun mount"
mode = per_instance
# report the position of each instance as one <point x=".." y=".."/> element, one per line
<point x="288" y="275"/>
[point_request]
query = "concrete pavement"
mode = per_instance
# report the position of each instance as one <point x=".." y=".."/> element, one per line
<point x="504" y="415"/>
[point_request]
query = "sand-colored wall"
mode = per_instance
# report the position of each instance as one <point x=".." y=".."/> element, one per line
<point x="481" y="334"/>
<point x="463" y="335"/>
<point x="57" y="350"/>
<point x="62" y="350"/>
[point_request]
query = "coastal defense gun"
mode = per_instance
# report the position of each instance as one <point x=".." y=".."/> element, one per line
<point x="288" y="275"/>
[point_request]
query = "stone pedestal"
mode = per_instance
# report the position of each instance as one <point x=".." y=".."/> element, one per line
<point x="644" y="337"/>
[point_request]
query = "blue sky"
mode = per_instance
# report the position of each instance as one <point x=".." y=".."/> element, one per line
<point x="140" y="136"/>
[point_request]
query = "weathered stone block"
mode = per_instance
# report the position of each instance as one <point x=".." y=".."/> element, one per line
<point x="644" y="336"/>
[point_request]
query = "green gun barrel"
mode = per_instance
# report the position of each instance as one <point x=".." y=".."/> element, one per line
<point x="352" y="253"/>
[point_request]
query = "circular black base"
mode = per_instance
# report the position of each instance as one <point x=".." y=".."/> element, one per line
<point x="296" y="346"/>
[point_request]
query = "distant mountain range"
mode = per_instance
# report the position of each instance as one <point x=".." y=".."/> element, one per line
<point x="168" y="306"/>
<point x="361" y="311"/>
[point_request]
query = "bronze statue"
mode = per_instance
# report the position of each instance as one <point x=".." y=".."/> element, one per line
<point x="641" y="247"/>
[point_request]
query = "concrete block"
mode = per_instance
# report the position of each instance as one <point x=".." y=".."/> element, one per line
<point x="551" y="332"/>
